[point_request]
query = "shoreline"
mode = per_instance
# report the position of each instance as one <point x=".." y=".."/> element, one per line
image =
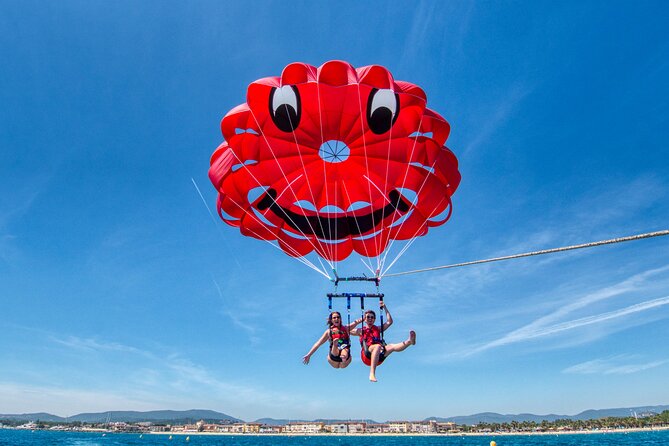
<point x="453" y="434"/>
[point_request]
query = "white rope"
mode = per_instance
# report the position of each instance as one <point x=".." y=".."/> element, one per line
<point x="269" y="146"/>
<point x="536" y="253"/>
<point x="361" y="113"/>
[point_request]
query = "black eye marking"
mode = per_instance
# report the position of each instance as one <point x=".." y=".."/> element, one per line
<point x="285" y="107"/>
<point x="382" y="110"/>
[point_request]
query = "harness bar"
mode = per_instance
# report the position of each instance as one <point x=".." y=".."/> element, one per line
<point x="338" y="279"/>
<point x="377" y="295"/>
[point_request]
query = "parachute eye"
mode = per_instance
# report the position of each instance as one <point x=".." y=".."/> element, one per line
<point x="284" y="105"/>
<point x="382" y="110"/>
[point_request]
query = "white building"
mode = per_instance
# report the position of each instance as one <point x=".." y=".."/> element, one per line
<point x="305" y="428"/>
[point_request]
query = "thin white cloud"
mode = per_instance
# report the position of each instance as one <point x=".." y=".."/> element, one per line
<point x="557" y="325"/>
<point x="616" y="365"/>
<point x="91" y="344"/>
<point x="420" y="25"/>
<point x="251" y="330"/>
<point x="633" y="283"/>
<point x="64" y="401"/>
<point x="192" y="375"/>
<point x="150" y="381"/>
<point x="498" y="115"/>
<point x="526" y="334"/>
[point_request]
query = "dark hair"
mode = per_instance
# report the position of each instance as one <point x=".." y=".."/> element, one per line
<point x="329" y="321"/>
<point x="370" y="312"/>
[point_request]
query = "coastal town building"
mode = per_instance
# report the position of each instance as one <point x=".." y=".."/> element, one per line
<point x="376" y="428"/>
<point x="355" y="427"/>
<point x="399" y="427"/>
<point x="304" y="428"/>
<point x="337" y="428"/>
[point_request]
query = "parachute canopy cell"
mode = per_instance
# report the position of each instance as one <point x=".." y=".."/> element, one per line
<point x="334" y="160"/>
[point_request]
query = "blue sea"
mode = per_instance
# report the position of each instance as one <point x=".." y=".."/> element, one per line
<point x="47" y="438"/>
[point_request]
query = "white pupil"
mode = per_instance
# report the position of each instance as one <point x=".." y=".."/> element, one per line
<point x="284" y="96"/>
<point x="384" y="98"/>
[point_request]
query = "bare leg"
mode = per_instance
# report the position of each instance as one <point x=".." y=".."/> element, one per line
<point x="344" y="362"/>
<point x="334" y="350"/>
<point x="335" y="364"/>
<point x="375" y="351"/>
<point x="345" y="354"/>
<point x="402" y="345"/>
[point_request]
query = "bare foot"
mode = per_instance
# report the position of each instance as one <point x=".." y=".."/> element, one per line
<point x="412" y="337"/>
<point x="372" y="378"/>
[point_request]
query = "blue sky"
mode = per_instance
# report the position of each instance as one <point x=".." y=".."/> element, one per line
<point x="120" y="292"/>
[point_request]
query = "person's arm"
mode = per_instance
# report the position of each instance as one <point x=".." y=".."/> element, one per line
<point x="389" y="318"/>
<point x="318" y="343"/>
<point x="352" y="325"/>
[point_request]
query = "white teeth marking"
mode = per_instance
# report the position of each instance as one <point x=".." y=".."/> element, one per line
<point x="256" y="193"/>
<point x="306" y="205"/>
<point x="417" y="134"/>
<point x="358" y="205"/>
<point x="331" y="210"/>
<point x="401" y="220"/>
<point x="262" y="218"/>
<point x="409" y="195"/>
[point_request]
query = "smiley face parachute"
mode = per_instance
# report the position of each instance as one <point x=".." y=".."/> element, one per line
<point x="334" y="160"/>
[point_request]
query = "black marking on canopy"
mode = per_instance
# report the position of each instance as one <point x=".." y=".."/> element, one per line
<point x="333" y="228"/>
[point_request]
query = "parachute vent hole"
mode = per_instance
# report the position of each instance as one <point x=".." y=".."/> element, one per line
<point x="334" y="151"/>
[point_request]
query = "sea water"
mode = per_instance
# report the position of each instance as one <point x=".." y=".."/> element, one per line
<point x="48" y="438"/>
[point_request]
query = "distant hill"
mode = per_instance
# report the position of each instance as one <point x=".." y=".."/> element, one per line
<point x="619" y="412"/>
<point x="492" y="417"/>
<point x="193" y="415"/>
<point x="155" y="416"/>
<point x="41" y="416"/>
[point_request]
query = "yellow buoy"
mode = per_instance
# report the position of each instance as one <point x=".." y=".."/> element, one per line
<point x="493" y="443"/>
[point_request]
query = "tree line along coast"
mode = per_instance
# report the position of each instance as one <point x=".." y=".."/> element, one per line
<point x="426" y="427"/>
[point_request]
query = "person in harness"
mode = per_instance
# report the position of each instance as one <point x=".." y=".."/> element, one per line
<point x="374" y="349"/>
<point x="339" y="355"/>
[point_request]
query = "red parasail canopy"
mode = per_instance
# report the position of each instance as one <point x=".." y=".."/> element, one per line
<point x="334" y="160"/>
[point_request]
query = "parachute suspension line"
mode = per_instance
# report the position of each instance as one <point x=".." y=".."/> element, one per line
<point x="325" y="173"/>
<point x="375" y="273"/>
<point x="336" y="245"/>
<point x="296" y="255"/>
<point x="362" y="114"/>
<point x="413" y="239"/>
<point x="273" y="199"/>
<point x="536" y="253"/>
<point x="348" y="315"/>
<point x="381" y="315"/>
<point x="284" y="176"/>
<point x="320" y="262"/>
<point x="383" y="221"/>
<point x="362" y="324"/>
<point x="415" y="200"/>
<point x="369" y="266"/>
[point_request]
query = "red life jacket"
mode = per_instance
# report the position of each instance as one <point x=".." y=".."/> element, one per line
<point x="339" y="334"/>
<point x="371" y="335"/>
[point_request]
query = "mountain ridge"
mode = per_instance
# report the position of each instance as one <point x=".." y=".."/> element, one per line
<point x="193" y="415"/>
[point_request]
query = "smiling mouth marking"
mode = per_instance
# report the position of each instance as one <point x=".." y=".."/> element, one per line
<point x="333" y="228"/>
